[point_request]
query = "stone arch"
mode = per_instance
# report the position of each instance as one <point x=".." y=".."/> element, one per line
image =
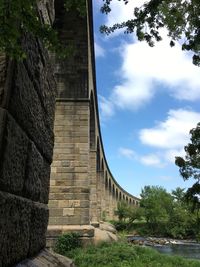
<point x="98" y="158"/>
<point x="123" y="197"/>
<point x="102" y="165"/>
<point x="92" y="123"/>
<point x="116" y="194"/>
<point x="113" y="190"/>
<point x="109" y="185"/>
<point x="106" y="181"/>
<point x="130" y="201"/>
<point x="120" y="196"/>
<point x="126" y="199"/>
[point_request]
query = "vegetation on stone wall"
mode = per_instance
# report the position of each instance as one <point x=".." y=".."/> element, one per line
<point x="18" y="17"/>
<point x="67" y="242"/>
<point x="180" y="18"/>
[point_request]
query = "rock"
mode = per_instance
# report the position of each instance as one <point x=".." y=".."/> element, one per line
<point x="46" y="258"/>
<point x="103" y="236"/>
<point x="107" y="227"/>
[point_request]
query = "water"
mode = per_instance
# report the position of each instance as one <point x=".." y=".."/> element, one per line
<point x="189" y="250"/>
<point x="179" y="248"/>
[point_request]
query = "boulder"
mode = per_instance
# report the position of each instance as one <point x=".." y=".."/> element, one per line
<point x="107" y="227"/>
<point x="103" y="236"/>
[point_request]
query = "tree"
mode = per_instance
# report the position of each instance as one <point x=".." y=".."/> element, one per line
<point x="122" y="210"/>
<point x="179" y="17"/>
<point x="189" y="167"/>
<point x="18" y="17"/>
<point x="157" y="204"/>
<point x="181" y="219"/>
<point x="179" y="195"/>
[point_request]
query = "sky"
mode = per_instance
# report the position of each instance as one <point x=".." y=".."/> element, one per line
<point x="148" y="101"/>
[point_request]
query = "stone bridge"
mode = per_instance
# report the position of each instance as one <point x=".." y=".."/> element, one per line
<point x="83" y="190"/>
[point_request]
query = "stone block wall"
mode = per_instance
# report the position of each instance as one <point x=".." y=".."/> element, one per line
<point x="27" y="102"/>
<point x="69" y="192"/>
<point x="79" y="196"/>
<point x="72" y="74"/>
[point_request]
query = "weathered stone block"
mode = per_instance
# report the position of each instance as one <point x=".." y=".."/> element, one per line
<point x="2" y="128"/>
<point x="13" y="157"/>
<point x="36" y="186"/>
<point x="32" y="185"/>
<point x="3" y="65"/>
<point x="68" y="212"/>
<point x="55" y="212"/>
<point x="45" y="181"/>
<point x="14" y="228"/>
<point x="27" y="106"/>
<point x="38" y="226"/>
<point x="63" y="203"/>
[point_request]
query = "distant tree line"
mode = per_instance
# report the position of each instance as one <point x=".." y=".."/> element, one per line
<point x="174" y="214"/>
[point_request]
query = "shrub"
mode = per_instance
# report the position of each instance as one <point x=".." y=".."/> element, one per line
<point x="120" y="225"/>
<point x="67" y="242"/>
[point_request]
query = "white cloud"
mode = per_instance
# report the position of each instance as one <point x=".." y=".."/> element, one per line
<point x="99" y="51"/>
<point x="121" y="12"/>
<point x="173" y="133"/>
<point x="151" y="160"/>
<point x="170" y="154"/>
<point x="148" y="159"/>
<point x="106" y="108"/>
<point x="166" y="139"/>
<point x="147" y="70"/>
<point x="127" y="152"/>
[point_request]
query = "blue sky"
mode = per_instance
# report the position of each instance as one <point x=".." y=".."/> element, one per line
<point x="148" y="102"/>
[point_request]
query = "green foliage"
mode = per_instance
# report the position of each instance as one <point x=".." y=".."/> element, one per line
<point x="122" y="210"/>
<point x="121" y="225"/>
<point x="157" y="204"/>
<point x="103" y="216"/>
<point x="122" y="254"/>
<point x="18" y="17"/>
<point x="127" y="215"/>
<point x="165" y="214"/>
<point x="67" y="242"/>
<point x="180" y="18"/>
<point x="79" y="5"/>
<point x="190" y="167"/>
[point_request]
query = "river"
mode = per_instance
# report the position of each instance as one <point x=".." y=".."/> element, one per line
<point x="187" y="249"/>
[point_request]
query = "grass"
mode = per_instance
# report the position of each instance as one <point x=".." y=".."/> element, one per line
<point x="122" y="254"/>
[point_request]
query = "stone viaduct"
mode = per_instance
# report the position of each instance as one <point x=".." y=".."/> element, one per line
<point x="83" y="190"/>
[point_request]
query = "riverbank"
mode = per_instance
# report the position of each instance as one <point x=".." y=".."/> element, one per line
<point x="153" y="241"/>
<point x="124" y="254"/>
<point x="185" y="248"/>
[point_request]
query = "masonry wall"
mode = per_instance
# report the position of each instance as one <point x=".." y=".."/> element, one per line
<point x="27" y="101"/>
<point x="69" y="193"/>
<point x="69" y="198"/>
<point x="83" y="190"/>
